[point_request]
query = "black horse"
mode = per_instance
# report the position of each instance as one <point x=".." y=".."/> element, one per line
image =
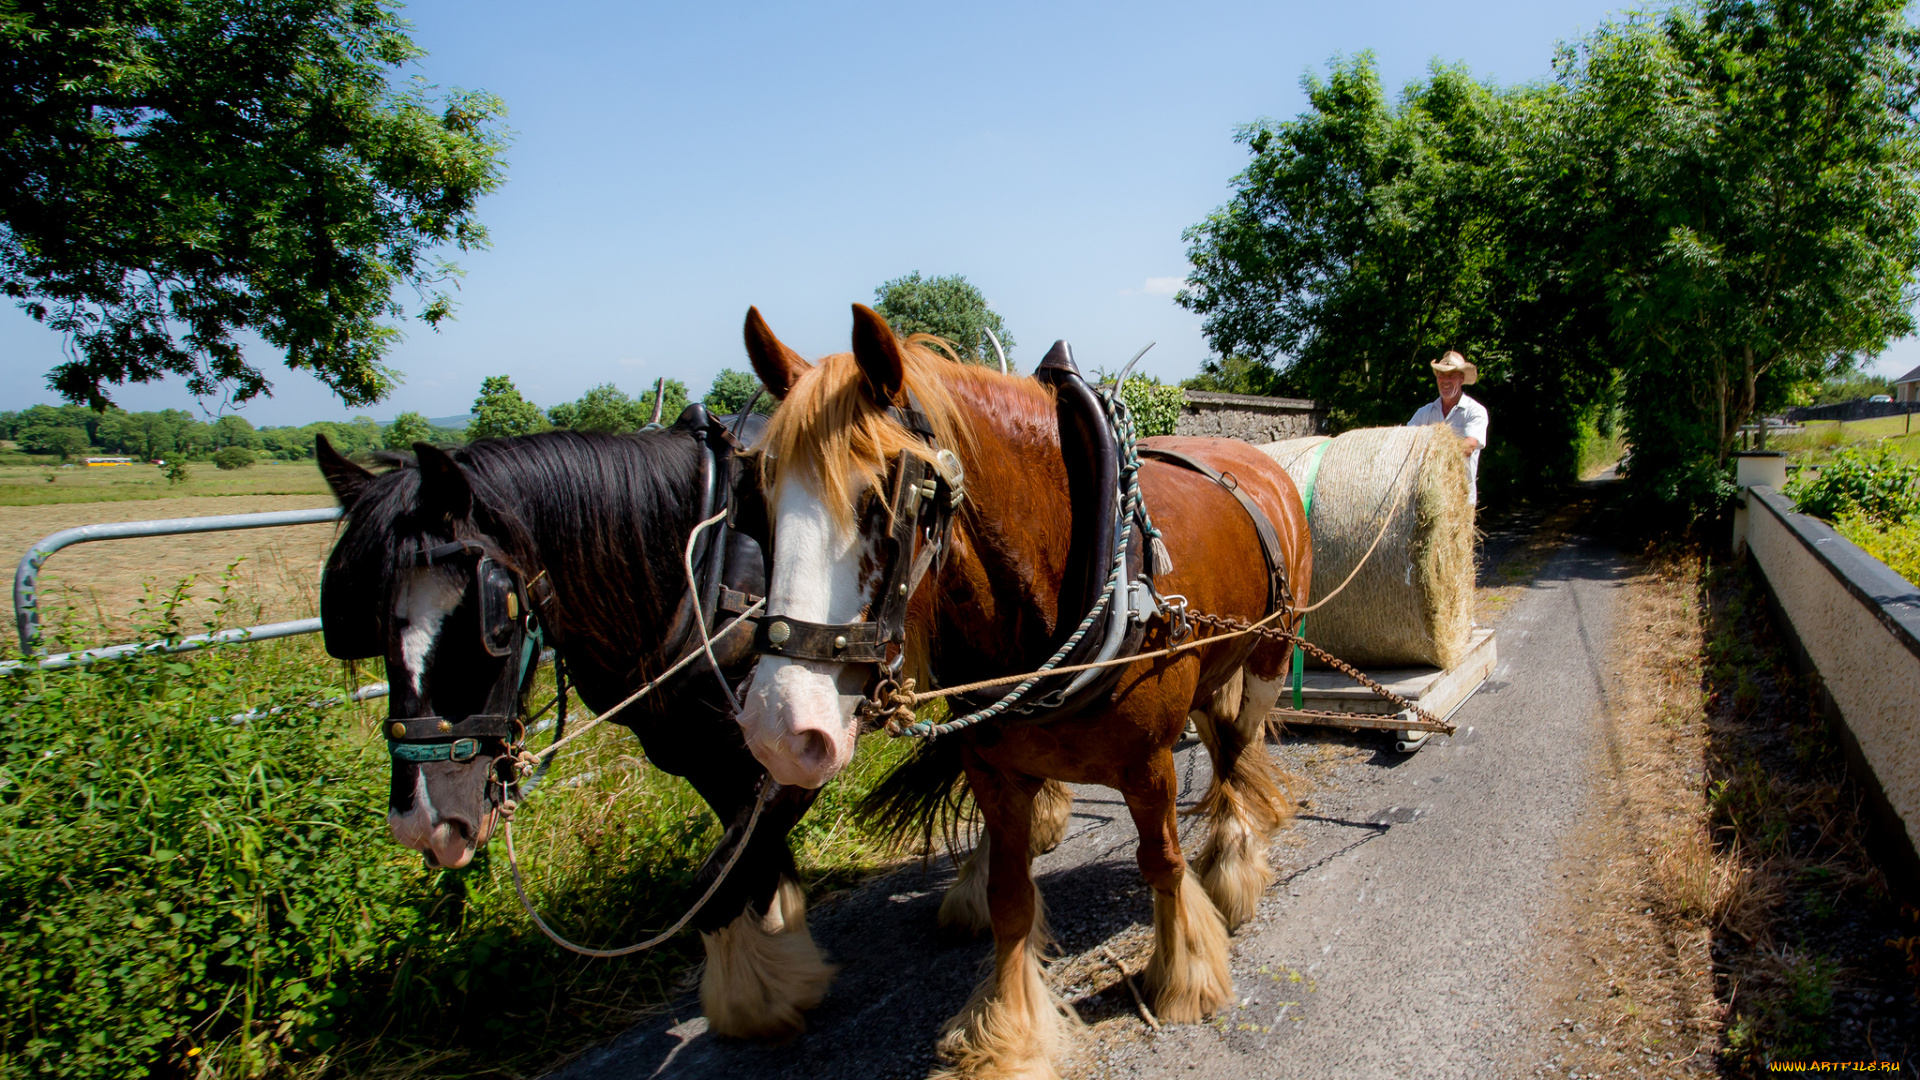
<point x="457" y="567"/>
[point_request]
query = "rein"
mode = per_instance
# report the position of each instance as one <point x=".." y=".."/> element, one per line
<point x="526" y="762"/>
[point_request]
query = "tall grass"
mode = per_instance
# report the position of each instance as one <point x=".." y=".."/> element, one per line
<point x="184" y="894"/>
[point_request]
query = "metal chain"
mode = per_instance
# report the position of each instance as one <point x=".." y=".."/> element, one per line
<point x="1274" y="633"/>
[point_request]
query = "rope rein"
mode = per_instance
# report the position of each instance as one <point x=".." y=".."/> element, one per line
<point x="527" y="762"/>
<point x="506" y="833"/>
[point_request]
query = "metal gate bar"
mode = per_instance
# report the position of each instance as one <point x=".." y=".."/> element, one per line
<point x="26" y="600"/>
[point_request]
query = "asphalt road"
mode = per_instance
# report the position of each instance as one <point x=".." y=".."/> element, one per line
<point x="1396" y="944"/>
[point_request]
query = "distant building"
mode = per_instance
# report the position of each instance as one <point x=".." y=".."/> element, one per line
<point x="1907" y="387"/>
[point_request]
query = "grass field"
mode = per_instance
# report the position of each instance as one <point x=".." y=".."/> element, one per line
<point x="1822" y="437"/>
<point x="186" y="895"/>
<point x="41" y="485"/>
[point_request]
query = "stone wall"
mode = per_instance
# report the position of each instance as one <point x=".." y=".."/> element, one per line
<point x="1255" y="419"/>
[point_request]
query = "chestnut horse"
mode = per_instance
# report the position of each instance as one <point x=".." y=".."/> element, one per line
<point x="991" y="604"/>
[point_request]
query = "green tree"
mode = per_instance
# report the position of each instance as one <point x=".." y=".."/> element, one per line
<point x="234" y="457"/>
<point x="500" y="411"/>
<point x="67" y="440"/>
<point x="1368" y="236"/>
<point x="1757" y="163"/>
<point x="607" y="408"/>
<point x="231" y="430"/>
<point x="731" y="390"/>
<point x="675" y="393"/>
<point x="176" y="172"/>
<point x="407" y="428"/>
<point x="949" y="306"/>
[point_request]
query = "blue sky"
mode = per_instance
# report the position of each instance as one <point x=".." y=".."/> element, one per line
<point x="674" y="163"/>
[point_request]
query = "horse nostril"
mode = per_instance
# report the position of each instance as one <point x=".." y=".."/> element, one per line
<point x="815" y="746"/>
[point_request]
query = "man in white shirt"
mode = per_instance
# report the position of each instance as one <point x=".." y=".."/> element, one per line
<point x="1467" y="416"/>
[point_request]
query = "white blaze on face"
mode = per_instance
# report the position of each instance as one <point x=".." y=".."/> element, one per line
<point x="798" y="721"/>
<point x="422" y="601"/>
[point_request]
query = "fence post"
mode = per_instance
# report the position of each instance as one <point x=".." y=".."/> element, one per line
<point x="1754" y="468"/>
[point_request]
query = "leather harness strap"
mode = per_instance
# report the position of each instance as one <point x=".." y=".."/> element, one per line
<point x="1277" y="592"/>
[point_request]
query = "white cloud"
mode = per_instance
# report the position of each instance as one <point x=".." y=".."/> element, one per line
<point x="1157" y="286"/>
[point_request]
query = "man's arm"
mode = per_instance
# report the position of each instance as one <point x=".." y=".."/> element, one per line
<point x="1476" y="433"/>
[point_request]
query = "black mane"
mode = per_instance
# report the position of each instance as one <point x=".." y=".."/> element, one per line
<point x="605" y="517"/>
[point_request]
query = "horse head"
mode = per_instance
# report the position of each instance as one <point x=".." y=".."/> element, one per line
<point x="434" y="579"/>
<point x="858" y="497"/>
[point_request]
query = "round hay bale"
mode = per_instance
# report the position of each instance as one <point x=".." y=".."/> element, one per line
<point x="1412" y="603"/>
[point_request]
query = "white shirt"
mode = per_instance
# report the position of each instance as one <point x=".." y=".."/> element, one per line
<point x="1469" y="420"/>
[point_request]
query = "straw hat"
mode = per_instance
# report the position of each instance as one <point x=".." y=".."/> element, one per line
<point x="1453" y="361"/>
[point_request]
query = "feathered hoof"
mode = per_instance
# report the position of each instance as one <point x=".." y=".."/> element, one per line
<point x="964" y="908"/>
<point x="1014" y="1027"/>
<point x="1188" y="974"/>
<point x="764" y="973"/>
<point x="1234" y="870"/>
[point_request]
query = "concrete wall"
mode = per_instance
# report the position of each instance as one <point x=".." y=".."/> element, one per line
<point x="1255" y="419"/>
<point x="1858" y="624"/>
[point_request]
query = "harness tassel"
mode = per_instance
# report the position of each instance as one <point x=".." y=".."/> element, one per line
<point x="1162" y="562"/>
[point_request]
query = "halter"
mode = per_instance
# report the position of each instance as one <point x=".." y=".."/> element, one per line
<point x="923" y="499"/>
<point x="507" y="625"/>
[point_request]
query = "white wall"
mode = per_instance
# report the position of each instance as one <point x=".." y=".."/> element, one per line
<point x="1857" y="622"/>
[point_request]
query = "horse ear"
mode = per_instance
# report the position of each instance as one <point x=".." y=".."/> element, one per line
<point x="444" y="491"/>
<point x="778" y="366"/>
<point x="347" y="480"/>
<point x="882" y="358"/>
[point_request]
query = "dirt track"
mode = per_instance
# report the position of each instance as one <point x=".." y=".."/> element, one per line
<point x="1401" y="941"/>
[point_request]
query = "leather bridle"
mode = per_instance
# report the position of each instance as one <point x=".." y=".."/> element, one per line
<point x="507" y="627"/>
<point x="923" y="498"/>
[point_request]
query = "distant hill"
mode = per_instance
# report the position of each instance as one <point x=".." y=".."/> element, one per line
<point x="455" y="422"/>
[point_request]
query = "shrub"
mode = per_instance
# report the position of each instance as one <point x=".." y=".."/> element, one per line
<point x="1874" y="481"/>
<point x="1155" y="408"/>
<point x="234" y="457"/>
<point x="1896" y="545"/>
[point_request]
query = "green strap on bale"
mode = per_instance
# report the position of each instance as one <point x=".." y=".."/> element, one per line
<point x="1306" y="505"/>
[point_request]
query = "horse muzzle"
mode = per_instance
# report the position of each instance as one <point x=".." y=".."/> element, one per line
<point x="453" y="813"/>
<point x="798" y="724"/>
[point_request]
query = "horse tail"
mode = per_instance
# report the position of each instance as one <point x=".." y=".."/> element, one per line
<point x="925" y="794"/>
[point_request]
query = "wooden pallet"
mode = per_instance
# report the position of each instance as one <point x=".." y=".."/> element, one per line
<point x="1438" y="692"/>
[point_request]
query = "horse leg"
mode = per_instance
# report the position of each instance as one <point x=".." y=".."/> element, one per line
<point x="1188" y="974"/>
<point x="1246" y="801"/>
<point x="1011" y="1028"/>
<point x="965" y="905"/>
<point x="763" y="969"/>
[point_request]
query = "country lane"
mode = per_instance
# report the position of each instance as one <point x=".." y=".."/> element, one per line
<point x="1395" y="944"/>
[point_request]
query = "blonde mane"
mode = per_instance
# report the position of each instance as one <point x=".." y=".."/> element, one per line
<point x="831" y="435"/>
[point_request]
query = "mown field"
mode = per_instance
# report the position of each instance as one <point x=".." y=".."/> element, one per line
<point x="187" y="893"/>
<point x="99" y="584"/>
<point x="44" y="484"/>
